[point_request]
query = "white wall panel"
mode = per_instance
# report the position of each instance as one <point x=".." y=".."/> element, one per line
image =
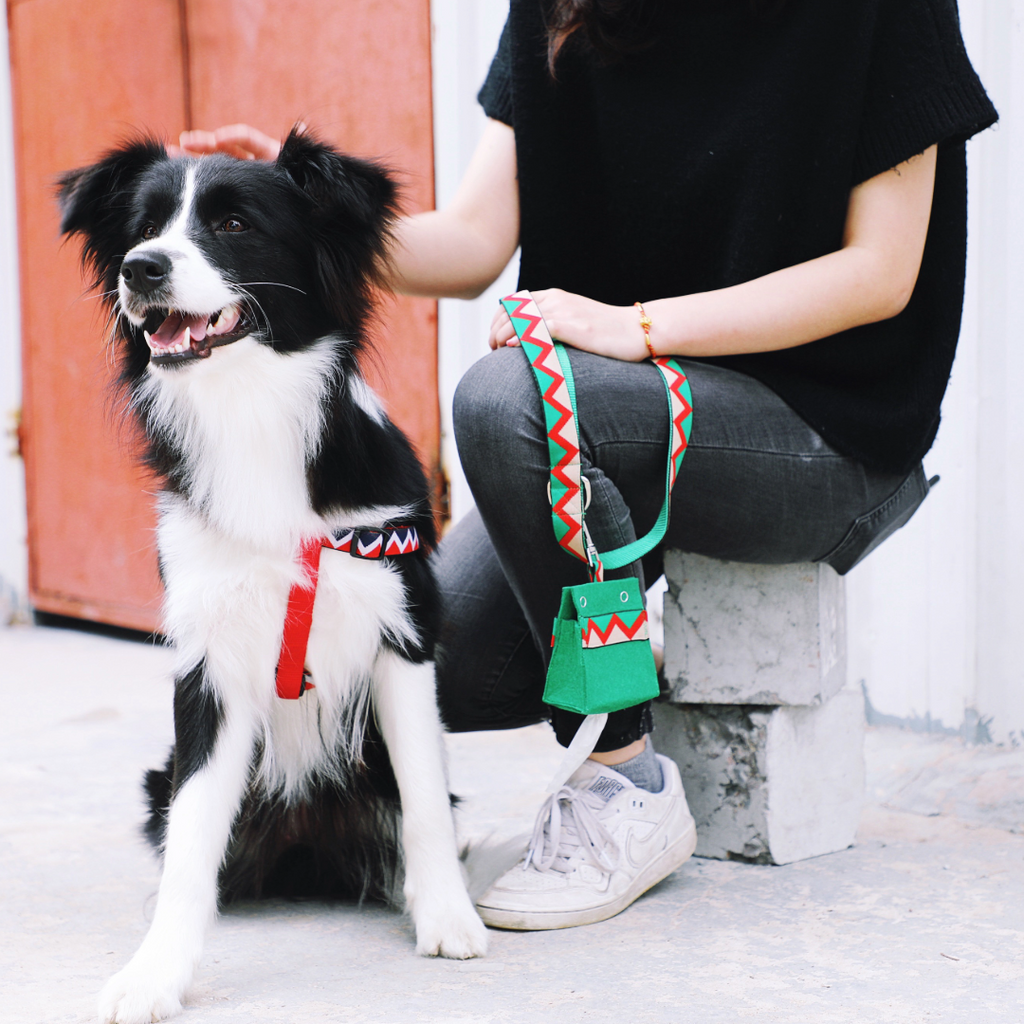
<point x="1000" y="452"/>
<point x="13" y="555"/>
<point x="465" y="37"/>
<point x="935" y="613"/>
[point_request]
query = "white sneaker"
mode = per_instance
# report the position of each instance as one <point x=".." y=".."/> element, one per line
<point x="599" y="843"/>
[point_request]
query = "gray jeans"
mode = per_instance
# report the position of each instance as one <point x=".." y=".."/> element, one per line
<point x="757" y="485"/>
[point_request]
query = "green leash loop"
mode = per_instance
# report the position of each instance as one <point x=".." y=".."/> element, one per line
<point x="553" y="373"/>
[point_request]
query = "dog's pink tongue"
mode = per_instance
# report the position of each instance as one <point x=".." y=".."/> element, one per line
<point x="172" y="331"/>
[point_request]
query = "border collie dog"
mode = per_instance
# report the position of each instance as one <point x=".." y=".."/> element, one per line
<point x="240" y="293"/>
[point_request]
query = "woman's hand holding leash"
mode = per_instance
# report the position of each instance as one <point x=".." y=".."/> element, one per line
<point x="613" y="331"/>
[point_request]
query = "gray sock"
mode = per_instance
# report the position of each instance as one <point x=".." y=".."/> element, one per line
<point x="643" y="770"/>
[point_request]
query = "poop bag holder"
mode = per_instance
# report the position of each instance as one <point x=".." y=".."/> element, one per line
<point x="601" y="656"/>
<point x="601" y="659"/>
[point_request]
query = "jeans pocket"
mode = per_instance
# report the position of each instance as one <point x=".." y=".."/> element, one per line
<point x="870" y="529"/>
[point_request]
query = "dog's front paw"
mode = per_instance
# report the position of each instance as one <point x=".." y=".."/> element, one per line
<point x="453" y="930"/>
<point x="141" y="993"/>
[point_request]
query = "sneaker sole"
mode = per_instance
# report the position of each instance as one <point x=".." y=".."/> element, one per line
<point x="535" y="921"/>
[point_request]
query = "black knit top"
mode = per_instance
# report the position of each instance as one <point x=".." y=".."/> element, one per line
<point x="727" y="151"/>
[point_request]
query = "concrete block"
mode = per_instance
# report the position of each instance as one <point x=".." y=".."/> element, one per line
<point x="769" y="785"/>
<point x="753" y="634"/>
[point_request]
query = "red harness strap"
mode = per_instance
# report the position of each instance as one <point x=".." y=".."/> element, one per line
<point x="292" y="678"/>
<point x="291" y="672"/>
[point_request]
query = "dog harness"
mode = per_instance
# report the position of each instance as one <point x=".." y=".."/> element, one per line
<point x="292" y="678"/>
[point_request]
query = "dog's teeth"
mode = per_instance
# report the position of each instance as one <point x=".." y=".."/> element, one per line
<point x="149" y="339"/>
<point x="187" y="343"/>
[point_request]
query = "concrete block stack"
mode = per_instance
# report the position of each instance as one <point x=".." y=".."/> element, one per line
<point x="769" y="741"/>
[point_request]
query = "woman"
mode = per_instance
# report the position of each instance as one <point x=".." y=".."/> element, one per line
<point x="782" y="185"/>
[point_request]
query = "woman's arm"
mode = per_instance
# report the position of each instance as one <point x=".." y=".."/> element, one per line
<point x="458" y="251"/>
<point x="455" y="252"/>
<point x="870" y="278"/>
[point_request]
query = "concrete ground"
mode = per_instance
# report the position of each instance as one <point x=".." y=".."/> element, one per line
<point x="922" y="920"/>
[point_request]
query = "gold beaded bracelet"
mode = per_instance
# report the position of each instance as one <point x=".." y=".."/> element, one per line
<point x="645" y="323"/>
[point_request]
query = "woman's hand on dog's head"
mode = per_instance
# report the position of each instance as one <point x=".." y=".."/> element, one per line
<point x="238" y="140"/>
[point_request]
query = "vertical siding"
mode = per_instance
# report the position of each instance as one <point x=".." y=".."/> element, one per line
<point x="999" y="324"/>
<point x="465" y="37"/>
<point x="13" y="527"/>
<point x="935" y="613"/>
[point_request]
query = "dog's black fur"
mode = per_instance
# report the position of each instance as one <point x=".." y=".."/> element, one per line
<point x="318" y="231"/>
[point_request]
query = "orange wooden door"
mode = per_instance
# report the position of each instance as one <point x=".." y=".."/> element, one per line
<point x="85" y="74"/>
<point x="357" y="71"/>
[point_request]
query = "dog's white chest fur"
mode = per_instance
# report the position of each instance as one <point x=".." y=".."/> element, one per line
<point x="246" y="420"/>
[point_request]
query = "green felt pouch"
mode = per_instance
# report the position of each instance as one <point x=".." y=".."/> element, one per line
<point x="601" y="659"/>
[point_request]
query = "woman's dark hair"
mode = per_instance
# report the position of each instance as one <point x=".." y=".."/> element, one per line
<point x="617" y="28"/>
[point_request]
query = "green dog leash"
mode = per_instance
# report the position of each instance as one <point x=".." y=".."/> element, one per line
<point x="601" y="659"/>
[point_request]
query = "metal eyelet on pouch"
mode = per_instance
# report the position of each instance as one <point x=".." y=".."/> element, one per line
<point x="583" y="602"/>
<point x="623" y="597"/>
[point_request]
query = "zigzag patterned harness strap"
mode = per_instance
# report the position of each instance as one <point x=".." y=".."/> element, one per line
<point x="553" y="372"/>
<point x="292" y="678"/>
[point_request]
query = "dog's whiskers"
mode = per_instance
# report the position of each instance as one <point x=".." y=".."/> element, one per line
<point x="251" y="301"/>
<point x="275" y="284"/>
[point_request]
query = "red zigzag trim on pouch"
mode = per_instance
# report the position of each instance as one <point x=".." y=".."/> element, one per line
<point x="616" y="631"/>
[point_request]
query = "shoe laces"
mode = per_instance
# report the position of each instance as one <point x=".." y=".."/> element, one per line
<point x="568" y="829"/>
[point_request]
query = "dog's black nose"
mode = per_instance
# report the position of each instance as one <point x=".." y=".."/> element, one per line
<point x="146" y="271"/>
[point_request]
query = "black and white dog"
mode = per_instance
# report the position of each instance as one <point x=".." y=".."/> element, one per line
<point x="241" y="292"/>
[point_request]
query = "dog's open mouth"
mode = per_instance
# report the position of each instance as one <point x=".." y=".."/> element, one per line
<point x="176" y="337"/>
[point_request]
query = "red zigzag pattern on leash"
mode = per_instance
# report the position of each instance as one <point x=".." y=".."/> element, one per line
<point x="570" y="449"/>
<point x="679" y="441"/>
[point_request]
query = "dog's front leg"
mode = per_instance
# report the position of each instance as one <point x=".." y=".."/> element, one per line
<point x="446" y="922"/>
<point x="214" y="748"/>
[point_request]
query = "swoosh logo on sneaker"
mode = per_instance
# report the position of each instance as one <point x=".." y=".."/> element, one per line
<point x="640" y="851"/>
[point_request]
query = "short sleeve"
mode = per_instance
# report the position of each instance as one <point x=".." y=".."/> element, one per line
<point x="495" y="95"/>
<point x="921" y="88"/>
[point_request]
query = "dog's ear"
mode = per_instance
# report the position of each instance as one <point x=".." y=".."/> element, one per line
<point x="355" y="203"/>
<point x="361" y="192"/>
<point x="95" y="202"/>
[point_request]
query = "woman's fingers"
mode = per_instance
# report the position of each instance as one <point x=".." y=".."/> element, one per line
<point x="197" y="143"/>
<point x="594" y="326"/>
<point x="581" y="322"/>
<point x="241" y="141"/>
<point x="502" y="332"/>
<point x="249" y="140"/>
<point x="236" y="151"/>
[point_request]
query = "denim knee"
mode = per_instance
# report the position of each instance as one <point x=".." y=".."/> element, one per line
<point x="497" y="417"/>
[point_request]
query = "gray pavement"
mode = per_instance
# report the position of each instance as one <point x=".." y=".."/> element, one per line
<point x="922" y="920"/>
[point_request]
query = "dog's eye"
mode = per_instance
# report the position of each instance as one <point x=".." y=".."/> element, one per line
<point x="233" y="224"/>
<point x="149" y="231"/>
